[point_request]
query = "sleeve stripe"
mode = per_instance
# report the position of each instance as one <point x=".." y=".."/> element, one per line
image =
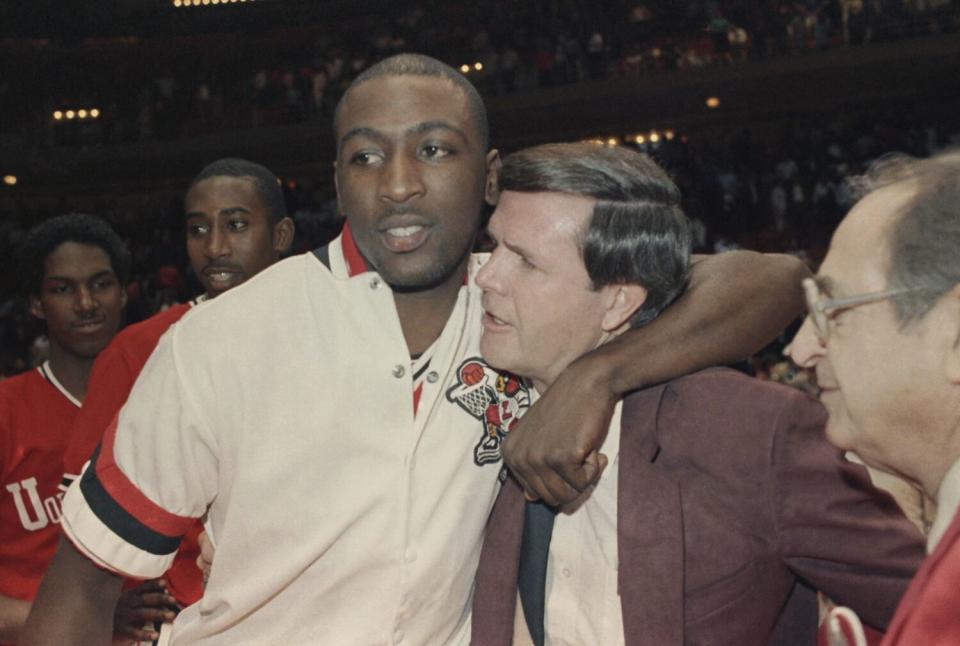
<point x="104" y="546"/>
<point x="118" y="519"/>
<point x="127" y="496"/>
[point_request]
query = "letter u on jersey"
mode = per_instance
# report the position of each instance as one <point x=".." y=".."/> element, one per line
<point x="29" y="485"/>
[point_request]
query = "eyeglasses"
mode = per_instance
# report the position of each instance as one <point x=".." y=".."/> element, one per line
<point x="821" y="309"/>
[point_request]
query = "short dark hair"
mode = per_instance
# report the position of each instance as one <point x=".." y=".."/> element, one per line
<point x="637" y="233"/>
<point x="420" y="65"/>
<point x="265" y="183"/>
<point x="924" y="242"/>
<point x="46" y="237"/>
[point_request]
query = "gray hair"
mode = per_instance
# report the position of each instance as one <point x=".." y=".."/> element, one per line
<point x="637" y="232"/>
<point x="924" y="242"/>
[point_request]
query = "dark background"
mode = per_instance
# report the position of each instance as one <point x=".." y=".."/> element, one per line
<point x="809" y="92"/>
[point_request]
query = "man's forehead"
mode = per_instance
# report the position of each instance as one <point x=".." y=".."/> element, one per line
<point x="400" y="102"/>
<point x="849" y="269"/>
<point x="225" y="190"/>
<point x="76" y="261"/>
<point x="231" y="183"/>
<point x="565" y="213"/>
<point x="858" y="254"/>
<point x="78" y="273"/>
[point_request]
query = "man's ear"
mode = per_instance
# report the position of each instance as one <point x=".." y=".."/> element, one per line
<point x="36" y="306"/>
<point x="492" y="191"/>
<point x="283" y="235"/>
<point x="951" y="301"/>
<point x="623" y="301"/>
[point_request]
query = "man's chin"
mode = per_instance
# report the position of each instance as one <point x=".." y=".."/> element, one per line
<point x="214" y="288"/>
<point x="496" y="356"/>
<point x="89" y="349"/>
<point x="841" y="435"/>
<point x="421" y="270"/>
<point x="412" y="280"/>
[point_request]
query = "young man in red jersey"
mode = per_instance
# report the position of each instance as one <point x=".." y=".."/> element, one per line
<point x="236" y="226"/>
<point x="74" y="269"/>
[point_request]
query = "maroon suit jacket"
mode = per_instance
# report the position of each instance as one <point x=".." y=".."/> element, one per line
<point x="732" y="508"/>
<point x="930" y="611"/>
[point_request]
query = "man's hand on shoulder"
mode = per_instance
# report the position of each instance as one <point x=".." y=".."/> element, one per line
<point x="554" y="449"/>
<point x="147" y="603"/>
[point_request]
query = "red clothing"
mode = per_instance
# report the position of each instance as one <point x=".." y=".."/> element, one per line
<point x="111" y="379"/>
<point x="113" y="375"/>
<point x="729" y="496"/>
<point x="930" y="611"/>
<point x="35" y="420"/>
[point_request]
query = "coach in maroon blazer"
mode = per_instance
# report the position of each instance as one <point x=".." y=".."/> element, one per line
<point x="731" y="508"/>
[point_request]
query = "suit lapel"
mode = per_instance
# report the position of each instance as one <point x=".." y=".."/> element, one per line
<point x="494" y="607"/>
<point x="650" y="529"/>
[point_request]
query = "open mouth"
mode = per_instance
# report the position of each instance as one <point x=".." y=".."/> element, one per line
<point x="221" y="276"/>
<point x="90" y="326"/>
<point x="404" y="239"/>
<point x="492" y="322"/>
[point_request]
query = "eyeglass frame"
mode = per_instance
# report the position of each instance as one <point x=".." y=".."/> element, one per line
<point x="820" y="310"/>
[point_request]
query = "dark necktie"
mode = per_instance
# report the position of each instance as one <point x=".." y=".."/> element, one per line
<point x="532" y="579"/>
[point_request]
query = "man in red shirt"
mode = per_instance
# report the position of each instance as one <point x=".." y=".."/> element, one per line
<point x="881" y="334"/>
<point x="74" y="269"/>
<point x="236" y="226"/>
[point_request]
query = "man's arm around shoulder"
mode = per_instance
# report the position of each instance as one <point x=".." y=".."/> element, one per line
<point x="735" y="303"/>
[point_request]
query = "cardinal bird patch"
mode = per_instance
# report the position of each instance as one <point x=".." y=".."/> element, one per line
<point x="497" y="399"/>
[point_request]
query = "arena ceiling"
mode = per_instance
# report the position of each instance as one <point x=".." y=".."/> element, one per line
<point x="68" y="21"/>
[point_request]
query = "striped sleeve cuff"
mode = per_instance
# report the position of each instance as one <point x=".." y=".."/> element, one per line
<point x="133" y="537"/>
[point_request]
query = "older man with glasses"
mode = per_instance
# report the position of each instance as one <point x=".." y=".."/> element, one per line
<point x="883" y="334"/>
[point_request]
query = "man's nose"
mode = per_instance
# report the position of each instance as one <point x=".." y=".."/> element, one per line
<point x="400" y="180"/>
<point x="85" y="301"/>
<point x="218" y="244"/>
<point x="488" y="278"/>
<point x="806" y="348"/>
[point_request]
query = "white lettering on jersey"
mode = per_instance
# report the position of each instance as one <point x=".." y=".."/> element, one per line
<point x="45" y="512"/>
